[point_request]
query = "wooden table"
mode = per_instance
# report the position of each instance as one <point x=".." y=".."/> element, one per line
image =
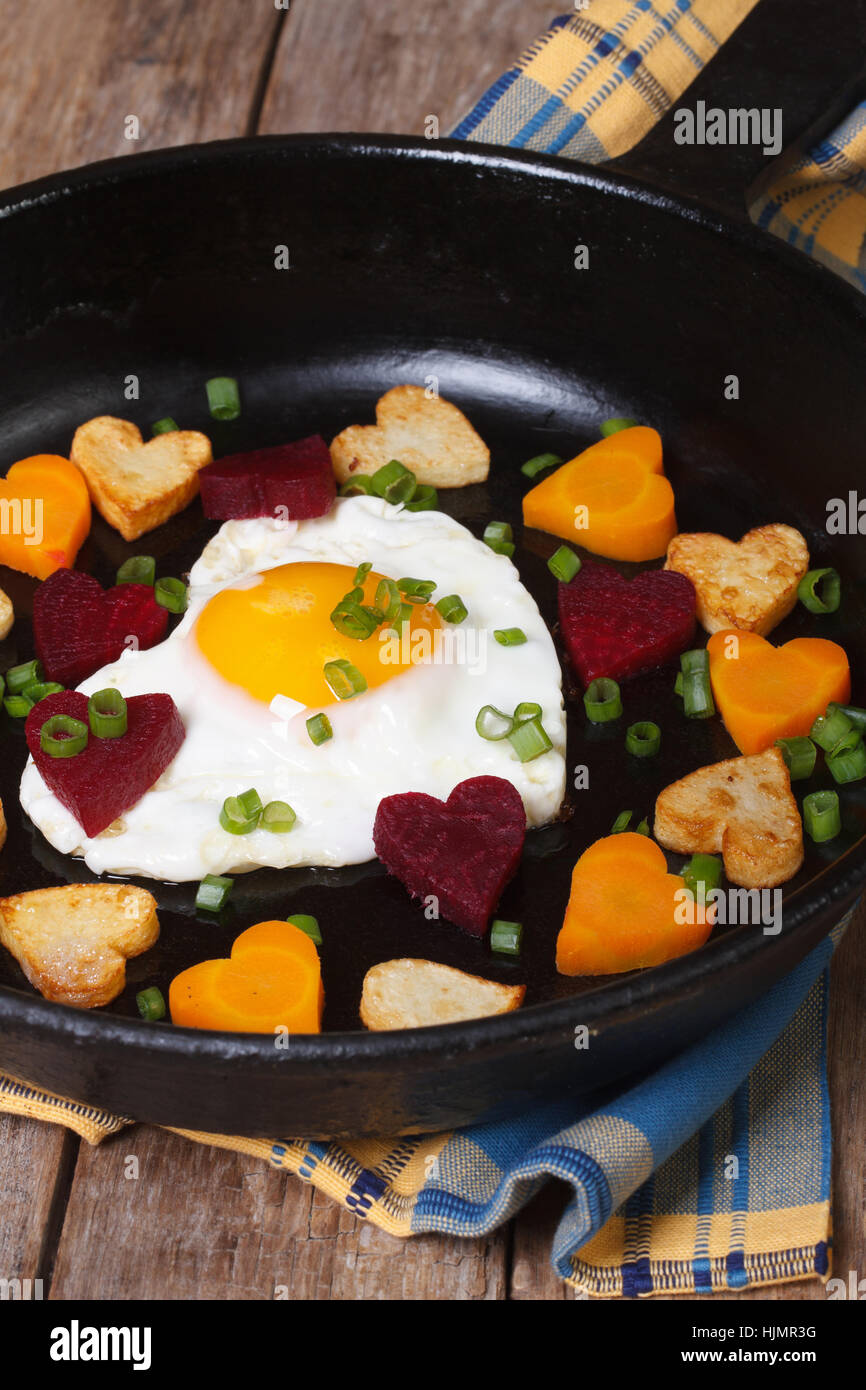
<point x="199" y="1222"/>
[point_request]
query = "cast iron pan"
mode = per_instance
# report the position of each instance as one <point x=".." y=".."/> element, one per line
<point x="408" y="260"/>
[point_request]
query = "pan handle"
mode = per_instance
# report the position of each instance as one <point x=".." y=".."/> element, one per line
<point x="806" y="60"/>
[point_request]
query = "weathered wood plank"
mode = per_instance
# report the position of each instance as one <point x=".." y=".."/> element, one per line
<point x="385" y="65"/>
<point x="71" y="74"/>
<point x="34" y="1158"/>
<point x="177" y="1220"/>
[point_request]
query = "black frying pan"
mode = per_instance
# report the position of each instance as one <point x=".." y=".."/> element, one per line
<point x="410" y="259"/>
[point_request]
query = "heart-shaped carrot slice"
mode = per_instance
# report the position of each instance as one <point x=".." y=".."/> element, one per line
<point x="624" y="912"/>
<point x="613" y="498"/>
<point x="44" y="515"/>
<point x="272" y="981"/>
<point x="765" y="692"/>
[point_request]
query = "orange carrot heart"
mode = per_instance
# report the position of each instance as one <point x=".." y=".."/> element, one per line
<point x="765" y="692"/>
<point x="613" y="498"/>
<point x="44" y="515"/>
<point x="626" y="911"/>
<point x="272" y="981"/>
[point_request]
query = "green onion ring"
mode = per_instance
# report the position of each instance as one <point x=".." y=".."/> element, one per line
<point x="492" y="724"/>
<point x="106" y="713"/>
<point x="61" y="736"/>
<point x="644" y="739"/>
<point x="602" y="700"/>
<point x="822" y="816"/>
<point x="820" y="591"/>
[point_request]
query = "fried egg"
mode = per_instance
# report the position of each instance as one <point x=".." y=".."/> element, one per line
<point x="245" y="668"/>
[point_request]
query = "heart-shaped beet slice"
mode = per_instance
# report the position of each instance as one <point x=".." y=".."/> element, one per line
<point x="78" y="626"/>
<point x="618" y="627"/>
<point x="111" y="774"/>
<point x="463" y="850"/>
<point x="298" y="476"/>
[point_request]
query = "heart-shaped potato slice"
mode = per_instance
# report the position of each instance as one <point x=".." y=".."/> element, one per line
<point x="428" y="435"/>
<point x="73" y="942"/>
<point x="750" y="584"/>
<point x="743" y="809"/>
<point x="136" y="485"/>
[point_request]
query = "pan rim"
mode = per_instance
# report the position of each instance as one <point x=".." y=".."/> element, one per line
<point x="816" y="907"/>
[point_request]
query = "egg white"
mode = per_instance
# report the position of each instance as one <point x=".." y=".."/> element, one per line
<point x="416" y="732"/>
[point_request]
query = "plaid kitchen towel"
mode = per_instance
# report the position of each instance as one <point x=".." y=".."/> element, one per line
<point x="598" y="80"/>
<point x="711" y="1174"/>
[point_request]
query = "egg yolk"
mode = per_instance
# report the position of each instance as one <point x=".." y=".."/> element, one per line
<point x="275" y="637"/>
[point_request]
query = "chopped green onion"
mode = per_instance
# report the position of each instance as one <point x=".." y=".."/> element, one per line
<point x="151" y="1004"/>
<point x="829" y="730"/>
<point x="856" y="716"/>
<point x="452" y="608"/>
<point x="394" y="482"/>
<point x="564" y="564"/>
<point x="602" y="700"/>
<point x="359" y="486"/>
<point x="510" y="636"/>
<point x="622" y="822"/>
<point x="492" y="724"/>
<point x="388" y="599"/>
<point x="3" y="686"/>
<point x="61" y="736"/>
<point x="38" y="690"/>
<point x="820" y="591"/>
<point x="223" y="397"/>
<point x="308" y="925"/>
<point x="822" y="816"/>
<point x="678" y="684"/>
<point x="799" y="754"/>
<point x="696" y="688"/>
<point x="319" y="728"/>
<point x="527" y="709"/>
<point x="164" y="426"/>
<point x="106" y="713"/>
<point x="17" y="706"/>
<point x="416" y="590"/>
<point x="643" y="827"/>
<point x="529" y="739"/>
<point x="497" y="531"/>
<point x="138" y="569"/>
<point x="424" y="499"/>
<point x="171" y="594"/>
<point x="501" y="547"/>
<point x="343" y="679"/>
<point x="848" y="760"/>
<point x="698" y="700"/>
<point x="278" y="817"/>
<point x="362" y="571"/>
<point x="703" y="872"/>
<point x="505" y="937"/>
<point x="698" y="659"/>
<point x="241" y="814"/>
<point x="644" y="739"/>
<point x="17" y="677"/>
<point x="213" y="892"/>
<point x="352" y="620"/>
<point x="619" y="422"/>
<point x="532" y="467"/>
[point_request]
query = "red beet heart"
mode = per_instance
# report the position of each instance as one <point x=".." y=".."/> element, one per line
<point x="463" y="850"/>
<point x="296" y="476"/>
<point x="111" y="774"/>
<point x="78" y="626"/>
<point x="615" y="627"/>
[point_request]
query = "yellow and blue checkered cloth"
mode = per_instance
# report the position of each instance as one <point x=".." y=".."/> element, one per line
<point x="713" y="1173"/>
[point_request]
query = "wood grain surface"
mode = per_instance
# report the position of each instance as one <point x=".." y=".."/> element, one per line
<point x="148" y="1214"/>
